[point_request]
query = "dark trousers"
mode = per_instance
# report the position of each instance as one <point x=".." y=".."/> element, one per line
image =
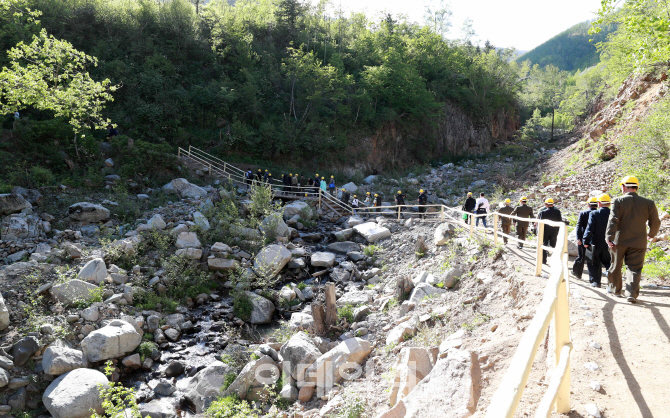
<point x="548" y="241"/>
<point x="601" y="257"/>
<point x="422" y="211"/>
<point x="578" y="267"/>
<point x="634" y="259"/>
<point x="506" y="230"/>
<point x="521" y="231"/>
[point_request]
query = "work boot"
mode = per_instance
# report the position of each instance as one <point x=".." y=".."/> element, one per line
<point x="631" y="299"/>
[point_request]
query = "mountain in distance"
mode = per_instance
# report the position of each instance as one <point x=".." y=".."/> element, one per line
<point x="570" y="50"/>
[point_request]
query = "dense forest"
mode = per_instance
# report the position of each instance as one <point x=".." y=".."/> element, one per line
<point x="573" y="49"/>
<point x="262" y="78"/>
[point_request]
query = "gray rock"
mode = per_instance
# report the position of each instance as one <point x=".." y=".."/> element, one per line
<point x="4" y="314"/>
<point x="423" y="291"/>
<point x="174" y="369"/>
<point x="300" y="321"/>
<point x="164" y="388"/>
<point x="95" y="271"/>
<point x="299" y="353"/>
<point x="201" y="221"/>
<point x="271" y="260"/>
<point x="184" y="189"/>
<point x="188" y="240"/>
<point x="255" y="374"/>
<point x="262" y="309"/>
<point x="115" y="340"/>
<point x="206" y="385"/>
<point x="22" y="226"/>
<point x="157" y="409"/>
<point x="330" y="368"/>
<point x="58" y="360"/>
<point x="75" y="394"/>
<point x="355" y="298"/>
<point x="340" y="275"/>
<point x="220" y="247"/>
<point x="289" y="392"/>
<point x="443" y="233"/>
<point x="370" y="179"/>
<point x="74" y="290"/>
<point x="350" y="187"/>
<point x="4" y="378"/>
<point x="133" y="361"/>
<point x="34" y="197"/>
<point x="372" y="232"/>
<point x="88" y="212"/>
<point x="344" y="234"/>
<point x="222" y="264"/>
<point x="23" y="349"/>
<point x="297" y="208"/>
<point x="18" y="400"/>
<point x="322" y="259"/>
<point x="12" y="203"/>
<point x="353" y="221"/>
<point x="452" y="276"/>
<point x="157" y="222"/>
<point x="343" y="247"/>
<point x="273" y="226"/>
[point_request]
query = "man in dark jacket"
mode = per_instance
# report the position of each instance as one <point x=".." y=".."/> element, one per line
<point x="400" y="201"/>
<point x="582" y="221"/>
<point x="627" y="237"/>
<point x="378" y="202"/>
<point x="259" y="175"/>
<point x="549" y="213"/>
<point x="469" y="205"/>
<point x="522" y="211"/>
<point x="423" y="200"/>
<point x="594" y="238"/>
<point x="345" y="196"/>
<point x="505" y="222"/>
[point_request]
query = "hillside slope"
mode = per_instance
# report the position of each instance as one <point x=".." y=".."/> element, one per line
<point x="573" y="49"/>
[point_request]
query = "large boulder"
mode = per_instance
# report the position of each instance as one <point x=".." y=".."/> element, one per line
<point x="443" y="232"/>
<point x="72" y="291"/>
<point x="573" y="249"/>
<point x="88" y="212"/>
<point x="4" y="314"/>
<point x="353" y="221"/>
<point x="21" y="226"/>
<point x="350" y="187"/>
<point x="112" y="341"/>
<point x="95" y="271"/>
<point x="369" y="179"/>
<point x="222" y="264"/>
<point x="157" y="222"/>
<point x="255" y="374"/>
<point x="34" y="197"/>
<point x="372" y="232"/>
<point x="355" y="298"/>
<point x="423" y="291"/>
<point x="24" y="349"/>
<point x="57" y="360"/>
<point x="184" y="189"/>
<point x="322" y="259"/>
<point x="12" y="203"/>
<point x="299" y="353"/>
<point x="332" y="367"/>
<point x="343" y="247"/>
<point x="452" y="387"/>
<point x="207" y="385"/>
<point x="75" y="394"/>
<point x="270" y="260"/>
<point x="273" y="226"/>
<point x="402" y="331"/>
<point x="300" y="321"/>
<point x="201" y="221"/>
<point x="262" y="309"/>
<point x="298" y="208"/>
<point x="413" y="364"/>
<point x="188" y="240"/>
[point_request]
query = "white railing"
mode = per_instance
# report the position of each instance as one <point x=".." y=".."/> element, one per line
<point x="554" y="303"/>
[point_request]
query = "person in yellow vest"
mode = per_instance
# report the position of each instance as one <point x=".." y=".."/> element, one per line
<point x="505" y="222"/>
<point x="626" y="237"/>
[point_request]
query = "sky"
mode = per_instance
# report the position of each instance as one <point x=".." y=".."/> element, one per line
<point x="522" y="24"/>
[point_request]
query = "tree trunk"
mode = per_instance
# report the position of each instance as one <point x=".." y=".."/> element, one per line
<point x="331" y="308"/>
<point x="553" y="111"/>
<point x="76" y="149"/>
<point x="319" y="315"/>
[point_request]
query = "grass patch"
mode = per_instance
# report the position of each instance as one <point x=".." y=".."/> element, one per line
<point x="346" y="312"/>
<point x="242" y="306"/>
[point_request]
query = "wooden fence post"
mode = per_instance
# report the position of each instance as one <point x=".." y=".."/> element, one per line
<point x="495" y="228"/>
<point x="320" y="190"/>
<point x="562" y="337"/>
<point x="472" y="224"/>
<point x="189" y="151"/>
<point x="179" y="152"/>
<point x="399" y="211"/>
<point x="331" y="307"/>
<point x="538" y="257"/>
<point x="319" y="315"/>
<point x="441" y="213"/>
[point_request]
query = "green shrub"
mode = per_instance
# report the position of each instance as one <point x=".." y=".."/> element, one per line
<point x="146" y="348"/>
<point x="371" y="250"/>
<point x="117" y="401"/>
<point x="40" y="176"/>
<point x="228" y="380"/>
<point x="346" y="312"/>
<point x="242" y="306"/>
<point x="230" y="407"/>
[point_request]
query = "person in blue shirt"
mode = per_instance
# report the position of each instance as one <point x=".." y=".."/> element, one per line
<point x="594" y="238"/>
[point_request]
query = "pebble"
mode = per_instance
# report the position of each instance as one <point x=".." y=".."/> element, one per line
<point x="588" y="314"/>
<point x="595" y="386"/>
<point x="591" y="366"/>
<point x="590" y="324"/>
<point x="592" y="410"/>
<point x="595" y="345"/>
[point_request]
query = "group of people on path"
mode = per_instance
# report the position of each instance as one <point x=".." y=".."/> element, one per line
<point x="294" y="183"/>
<point x="610" y="233"/>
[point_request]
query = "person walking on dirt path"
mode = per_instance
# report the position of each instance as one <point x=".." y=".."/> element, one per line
<point x="323" y="185"/>
<point x="250" y="178"/>
<point x="594" y="241"/>
<point x="303" y="182"/>
<point x="481" y="207"/>
<point x="259" y="175"/>
<point x="505" y="222"/>
<point x="378" y="202"/>
<point x="582" y="222"/>
<point x="469" y="206"/>
<point x="522" y="211"/>
<point x="286" y="181"/>
<point x="368" y="199"/>
<point x="549" y="213"/>
<point x="331" y="186"/>
<point x="345" y="196"/>
<point x="269" y="179"/>
<point x="355" y="203"/>
<point x="626" y="237"/>
<point x="400" y="201"/>
<point x="295" y="185"/>
<point x="423" y="201"/>
<point x="265" y="176"/>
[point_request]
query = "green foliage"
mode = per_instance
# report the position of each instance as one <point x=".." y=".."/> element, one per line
<point x="353" y="406"/>
<point x="230" y="407"/>
<point x="646" y="153"/>
<point x="228" y="380"/>
<point x="572" y="49"/>
<point x="478" y="320"/>
<point x="656" y="263"/>
<point x="371" y="250"/>
<point x="93" y="297"/>
<point x="117" y="400"/>
<point x="283" y="333"/>
<point x="146" y="348"/>
<point x="242" y="306"/>
<point x="346" y="312"/>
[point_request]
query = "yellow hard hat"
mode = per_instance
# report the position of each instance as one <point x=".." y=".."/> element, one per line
<point x="523" y="199"/>
<point x="290" y="174"/>
<point x="469" y="193"/>
<point x="549" y="201"/>
<point x="332" y="177"/>
<point x="421" y="191"/>
<point x="266" y="170"/>
<point x="630" y="181"/>
<point x="344" y="190"/>
<point x="376" y="195"/>
<point x="399" y="192"/>
<point x="317" y="174"/>
<point x="354" y="196"/>
<point x="305" y="194"/>
<point x="604" y="198"/>
<point x="369" y="193"/>
<point x="593" y="200"/>
<point x="508" y="201"/>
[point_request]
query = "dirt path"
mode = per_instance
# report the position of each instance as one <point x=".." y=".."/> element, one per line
<point x="634" y="355"/>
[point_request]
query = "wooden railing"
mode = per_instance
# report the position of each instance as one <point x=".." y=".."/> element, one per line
<point x="554" y="303"/>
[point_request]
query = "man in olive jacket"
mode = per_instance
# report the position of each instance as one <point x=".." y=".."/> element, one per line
<point x="505" y="222"/>
<point x="627" y="237"/>
<point x="523" y="211"/>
